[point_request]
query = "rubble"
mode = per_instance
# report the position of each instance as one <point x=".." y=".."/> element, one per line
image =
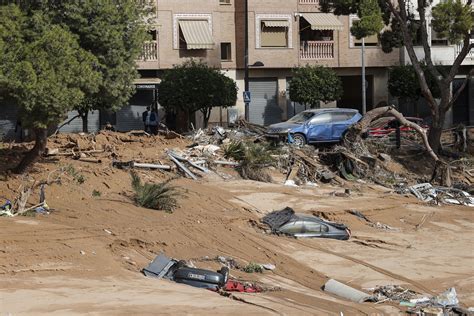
<point x="440" y="195"/>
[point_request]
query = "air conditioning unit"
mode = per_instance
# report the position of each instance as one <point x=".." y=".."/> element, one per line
<point x="224" y="1"/>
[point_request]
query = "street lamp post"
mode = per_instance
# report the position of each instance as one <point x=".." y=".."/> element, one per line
<point x="364" y="105"/>
<point x="246" y="59"/>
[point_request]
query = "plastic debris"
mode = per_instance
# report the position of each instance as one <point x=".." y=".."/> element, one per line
<point x="428" y="193"/>
<point x="345" y="291"/>
<point x="447" y="298"/>
<point x="269" y="266"/>
<point x="290" y="183"/>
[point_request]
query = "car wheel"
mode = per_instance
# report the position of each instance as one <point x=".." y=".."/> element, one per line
<point x="225" y="272"/>
<point x="299" y="140"/>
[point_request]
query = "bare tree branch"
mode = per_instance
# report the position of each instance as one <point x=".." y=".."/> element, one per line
<point x="460" y="58"/>
<point x="402" y="18"/>
<point x="461" y="88"/>
<point x="66" y="123"/>
<point x="363" y="125"/>
<point x="426" y="45"/>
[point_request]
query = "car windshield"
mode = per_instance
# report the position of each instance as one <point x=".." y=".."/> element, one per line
<point x="301" y="117"/>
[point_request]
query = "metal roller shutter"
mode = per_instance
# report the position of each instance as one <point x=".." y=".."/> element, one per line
<point x="130" y="118"/>
<point x="8" y="120"/>
<point x="93" y="123"/>
<point x="264" y="109"/>
<point x="292" y="108"/>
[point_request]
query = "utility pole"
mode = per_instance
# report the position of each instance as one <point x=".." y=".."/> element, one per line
<point x="246" y="60"/>
<point x="364" y="102"/>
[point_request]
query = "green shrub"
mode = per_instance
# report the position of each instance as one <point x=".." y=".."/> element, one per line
<point x="253" y="267"/>
<point x="96" y="193"/>
<point x="234" y="150"/>
<point x="76" y="175"/>
<point x="256" y="157"/>
<point x="157" y="196"/>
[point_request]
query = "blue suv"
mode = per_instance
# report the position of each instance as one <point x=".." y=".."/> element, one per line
<point x="315" y="126"/>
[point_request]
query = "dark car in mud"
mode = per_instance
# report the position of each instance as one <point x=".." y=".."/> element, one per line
<point x="287" y="222"/>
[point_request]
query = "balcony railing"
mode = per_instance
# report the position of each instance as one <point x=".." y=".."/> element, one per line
<point x="317" y="50"/>
<point x="460" y="46"/>
<point x="149" y="51"/>
<point x="309" y="1"/>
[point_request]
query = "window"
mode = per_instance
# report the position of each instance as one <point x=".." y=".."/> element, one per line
<point x="322" y="118"/>
<point x="226" y="52"/>
<point x="341" y="116"/>
<point x="312" y="227"/>
<point x="371" y="40"/>
<point x="292" y="227"/>
<point x="274" y="34"/>
<point x="416" y="33"/>
<point x="437" y="40"/>
<point x="301" y="117"/>
<point x="224" y="2"/>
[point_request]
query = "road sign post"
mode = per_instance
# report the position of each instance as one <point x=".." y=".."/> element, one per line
<point x="247" y="97"/>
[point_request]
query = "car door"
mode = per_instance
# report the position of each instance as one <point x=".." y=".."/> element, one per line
<point x="319" y="128"/>
<point x="340" y="122"/>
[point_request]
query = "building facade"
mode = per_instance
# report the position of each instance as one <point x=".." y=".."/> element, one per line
<point x="282" y="34"/>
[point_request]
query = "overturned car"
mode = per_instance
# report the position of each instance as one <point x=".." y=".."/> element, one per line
<point x="178" y="271"/>
<point x="287" y="222"/>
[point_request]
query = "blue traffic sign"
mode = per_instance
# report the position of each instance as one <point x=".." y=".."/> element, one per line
<point x="246" y="96"/>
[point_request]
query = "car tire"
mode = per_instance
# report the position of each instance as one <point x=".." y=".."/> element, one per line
<point x="299" y="140"/>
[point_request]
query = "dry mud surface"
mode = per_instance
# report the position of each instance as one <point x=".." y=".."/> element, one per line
<point x="86" y="256"/>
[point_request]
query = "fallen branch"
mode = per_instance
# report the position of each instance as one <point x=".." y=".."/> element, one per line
<point x="363" y="125"/>
<point x="66" y="123"/>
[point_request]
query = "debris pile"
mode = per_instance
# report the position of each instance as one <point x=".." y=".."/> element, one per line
<point x="419" y="304"/>
<point x="439" y="195"/>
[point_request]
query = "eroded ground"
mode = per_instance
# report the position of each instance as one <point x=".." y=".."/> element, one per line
<point x="86" y="256"/>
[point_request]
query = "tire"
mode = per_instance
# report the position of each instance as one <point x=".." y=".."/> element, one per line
<point x="299" y="140"/>
<point x="225" y="272"/>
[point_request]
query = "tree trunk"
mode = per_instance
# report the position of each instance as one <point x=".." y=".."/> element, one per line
<point x="436" y="129"/>
<point x="41" y="138"/>
<point x="84" y="117"/>
<point x="206" y="115"/>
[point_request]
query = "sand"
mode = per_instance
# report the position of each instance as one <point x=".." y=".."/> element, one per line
<point x="86" y="255"/>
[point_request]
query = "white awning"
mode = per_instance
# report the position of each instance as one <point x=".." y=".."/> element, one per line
<point x="276" y="23"/>
<point x="323" y="21"/>
<point x="196" y="34"/>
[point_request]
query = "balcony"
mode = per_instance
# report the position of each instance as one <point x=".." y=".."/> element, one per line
<point x="309" y="1"/>
<point x="149" y="51"/>
<point x="469" y="55"/>
<point x="148" y="58"/>
<point x="442" y="55"/>
<point x="317" y="49"/>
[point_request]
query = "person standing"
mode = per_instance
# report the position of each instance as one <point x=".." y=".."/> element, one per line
<point x="146" y="119"/>
<point x="153" y="122"/>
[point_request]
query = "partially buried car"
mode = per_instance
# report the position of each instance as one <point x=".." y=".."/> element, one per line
<point x="315" y="126"/>
<point x="288" y="223"/>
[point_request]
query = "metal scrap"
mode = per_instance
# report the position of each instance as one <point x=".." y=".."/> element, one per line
<point x="441" y="195"/>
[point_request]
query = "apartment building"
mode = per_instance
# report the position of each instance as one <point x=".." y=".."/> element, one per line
<point x="283" y="34"/>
